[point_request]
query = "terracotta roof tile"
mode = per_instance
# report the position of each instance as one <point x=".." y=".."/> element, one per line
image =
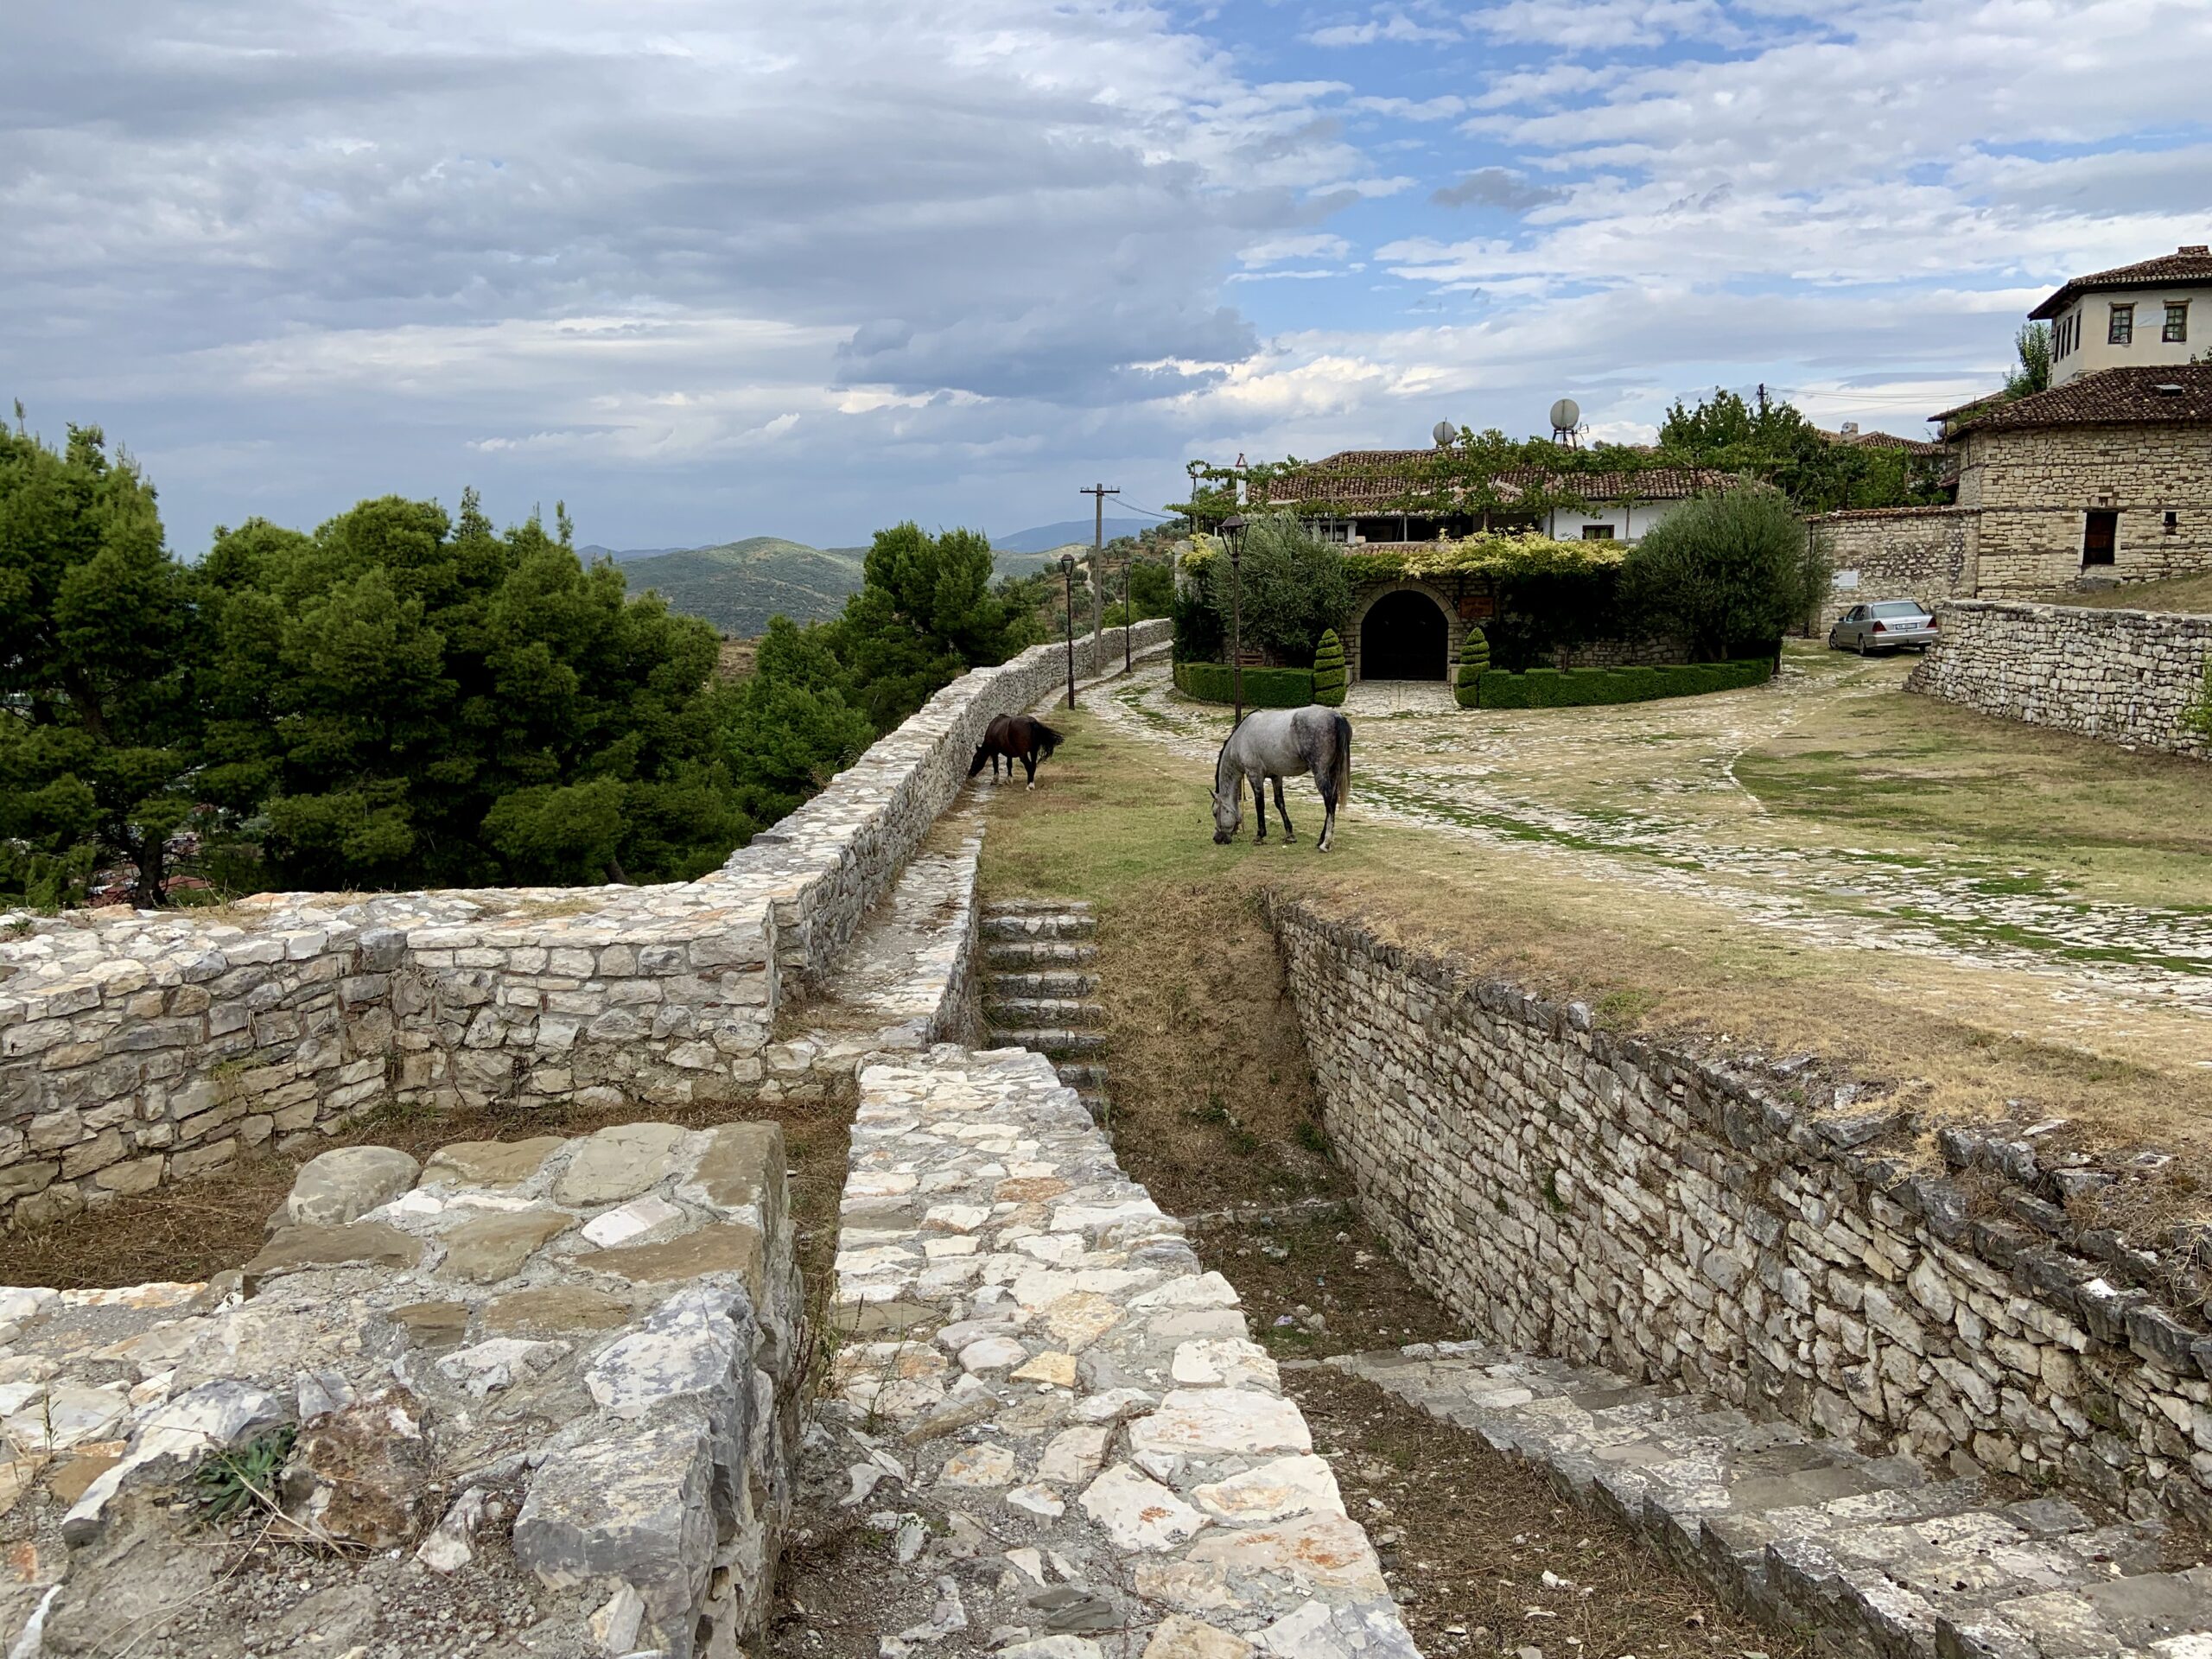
<point x="2191" y="263"/>
<point x="2109" y="397"/>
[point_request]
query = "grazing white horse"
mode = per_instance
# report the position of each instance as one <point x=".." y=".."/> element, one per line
<point x="1271" y="744"/>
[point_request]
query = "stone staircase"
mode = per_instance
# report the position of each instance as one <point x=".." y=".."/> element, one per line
<point x="1880" y="1554"/>
<point x="1036" y="991"/>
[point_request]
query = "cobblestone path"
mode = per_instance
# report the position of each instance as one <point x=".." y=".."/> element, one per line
<point x="1444" y="770"/>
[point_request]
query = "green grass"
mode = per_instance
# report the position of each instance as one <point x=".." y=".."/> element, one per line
<point x="2187" y="594"/>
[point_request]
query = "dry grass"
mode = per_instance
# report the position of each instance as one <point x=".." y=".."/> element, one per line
<point x="1124" y="823"/>
<point x="2175" y="593"/>
<point x="199" y="1228"/>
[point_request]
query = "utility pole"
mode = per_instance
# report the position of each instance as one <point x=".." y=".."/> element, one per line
<point x="1098" y="492"/>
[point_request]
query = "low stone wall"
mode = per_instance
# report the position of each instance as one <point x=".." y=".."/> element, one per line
<point x="1922" y="553"/>
<point x="1616" y="1201"/>
<point x="2125" y="676"/>
<point x="560" y="1376"/>
<point x="141" y="1049"/>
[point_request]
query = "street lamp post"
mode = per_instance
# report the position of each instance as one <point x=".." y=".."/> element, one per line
<point x="1067" y="576"/>
<point x="1129" y="619"/>
<point x="1232" y="531"/>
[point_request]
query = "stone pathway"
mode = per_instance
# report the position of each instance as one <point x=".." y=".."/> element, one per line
<point x="1883" y="1555"/>
<point x="1379" y="698"/>
<point x="1060" y="1425"/>
<point x="1037" y="996"/>
<point x="1433" y="773"/>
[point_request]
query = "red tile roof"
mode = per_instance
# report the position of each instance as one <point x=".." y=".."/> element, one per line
<point x="2189" y="264"/>
<point x="1381" y="478"/>
<point x="2130" y="396"/>
<point x="1882" y="441"/>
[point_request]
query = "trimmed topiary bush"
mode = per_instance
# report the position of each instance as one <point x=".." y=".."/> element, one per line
<point x="1474" y="662"/>
<point x="1552" y="688"/>
<point x="1329" y="671"/>
<point x="1264" y="688"/>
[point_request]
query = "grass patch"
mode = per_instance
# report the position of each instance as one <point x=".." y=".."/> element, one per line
<point x="1125" y="823"/>
<point x="2188" y="593"/>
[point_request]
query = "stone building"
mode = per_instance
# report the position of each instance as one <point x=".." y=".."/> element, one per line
<point x="2149" y="314"/>
<point x="1410" y="628"/>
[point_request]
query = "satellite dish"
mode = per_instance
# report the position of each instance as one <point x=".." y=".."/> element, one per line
<point x="1565" y="414"/>
<point x="1444" y="432"/>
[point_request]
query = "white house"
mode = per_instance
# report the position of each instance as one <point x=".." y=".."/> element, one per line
<point x="2151" y="314"/>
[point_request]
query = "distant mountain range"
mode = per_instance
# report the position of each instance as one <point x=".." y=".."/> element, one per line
<point x="737" y="586"/>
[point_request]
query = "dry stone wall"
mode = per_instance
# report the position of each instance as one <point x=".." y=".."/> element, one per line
<point x="1923" y="553"/>
<point x="2124" y="676"/>
<point x="541" y="1396"/>
<point x="1613" y="1202"/>
<point x="137" y="1049"/>
<point x="2034" y="485"/>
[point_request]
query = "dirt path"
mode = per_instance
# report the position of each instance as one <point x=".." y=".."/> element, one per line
<point x="1650" y="794"/>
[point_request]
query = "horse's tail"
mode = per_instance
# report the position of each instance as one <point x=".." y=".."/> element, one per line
<point x="1040" y="732"/>
<point x="1343" y="767"/>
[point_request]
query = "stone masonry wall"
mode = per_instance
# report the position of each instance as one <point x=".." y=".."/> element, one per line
<point x="2034" y="486"/>
<point x="545" y="1395"/>
<point x="1615" y="1202"/>
<point x="2125" y="676"/>
<point x="138" y="1049"/>
<point x="1923" y="553"/>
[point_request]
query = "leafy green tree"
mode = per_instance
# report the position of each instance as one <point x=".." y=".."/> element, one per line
<point x="2032" y="372"/>
<point x="1725" y="573"/>
<point x="1774" y="443"/>
<point x="925" y="613"/>
<point x="97" y="659"/>
<point x="1292" y="587"/>
<point x="788" y="729"/>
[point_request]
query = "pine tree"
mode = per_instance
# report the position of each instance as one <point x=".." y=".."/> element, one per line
<point x="1329" y="671"/>
<point x="1474" y="662"/>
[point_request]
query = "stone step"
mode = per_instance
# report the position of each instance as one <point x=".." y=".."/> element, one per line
<point x="1036" y="953"/>
<point x="1037" y="907"/>
<point x="1043" y="982"/>
<point x="1058" y="1011"/>
<point x="1047" y="1041"/>
<point x="1879" y="1555"/>
<point x="2123" y="1616"/>
<point x="1059" y="925"/>
<point x="1081" y="1074"/>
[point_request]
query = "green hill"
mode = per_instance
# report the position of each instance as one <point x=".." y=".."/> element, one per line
<point x="737" y="586"/>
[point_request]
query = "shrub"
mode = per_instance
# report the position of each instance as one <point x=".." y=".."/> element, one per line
<point x="1264" y="688"/>
<point x="1292" y="586"/>
<point x="1551" y="688"/>
<point x="1474" y="662"/>
<point x="1725" y="572"/>
<point x="1329" y="671"/>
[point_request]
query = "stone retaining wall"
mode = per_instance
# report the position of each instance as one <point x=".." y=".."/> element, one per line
<point x="2126" y="676"/>
<point x="1877" y="553"/>
<point x="542" y="1396"/>
<point x="1616" y="1201"/>
<point x="140" y="1049"/>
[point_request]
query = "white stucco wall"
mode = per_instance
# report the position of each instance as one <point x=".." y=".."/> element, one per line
<point x="2148" y="350"/>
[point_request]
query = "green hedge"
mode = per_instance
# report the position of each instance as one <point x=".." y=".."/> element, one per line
<point x="1264" y="688"/>
<point x="1550" y="687"/>
<point x="1474" y="662"/>
<point x="1329" y="671"/>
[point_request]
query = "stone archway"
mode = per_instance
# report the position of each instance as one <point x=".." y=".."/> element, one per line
<point x="1405" y="633"/>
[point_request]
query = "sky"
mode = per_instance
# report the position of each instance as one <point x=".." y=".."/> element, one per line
<point x="711" y="271"/>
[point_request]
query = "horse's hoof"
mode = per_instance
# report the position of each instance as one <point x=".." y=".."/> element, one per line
<point x="1033" y="786"/>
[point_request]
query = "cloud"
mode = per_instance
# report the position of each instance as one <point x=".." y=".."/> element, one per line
<point x="1496" y="186"/>
<point x="1391" y="26"/>
<point x="1276" y="249"/>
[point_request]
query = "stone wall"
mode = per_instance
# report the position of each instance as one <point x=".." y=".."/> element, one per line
<point x="1617" y="1202"/>
<point x="2125" y="676"/>
<point x="2034" y="486"/>
<point x="542" y="1394"/>
<point x="136" y="1049"/>
<point x="1923" y="553"/>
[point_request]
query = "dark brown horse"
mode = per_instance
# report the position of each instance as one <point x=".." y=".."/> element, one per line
<point x="1015" y="737"/>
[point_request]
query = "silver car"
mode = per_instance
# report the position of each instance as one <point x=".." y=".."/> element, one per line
<point x="1887" y="625"/>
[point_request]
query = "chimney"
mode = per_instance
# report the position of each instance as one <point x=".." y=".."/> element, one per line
<point x="2196" y="247"/>
<point x="1850" y="429"/>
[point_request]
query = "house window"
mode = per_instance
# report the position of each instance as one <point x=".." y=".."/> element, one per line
<point x="2177" y="328"/>
<point x="1597" y="532"/>
<point x="2122" y="329"/>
